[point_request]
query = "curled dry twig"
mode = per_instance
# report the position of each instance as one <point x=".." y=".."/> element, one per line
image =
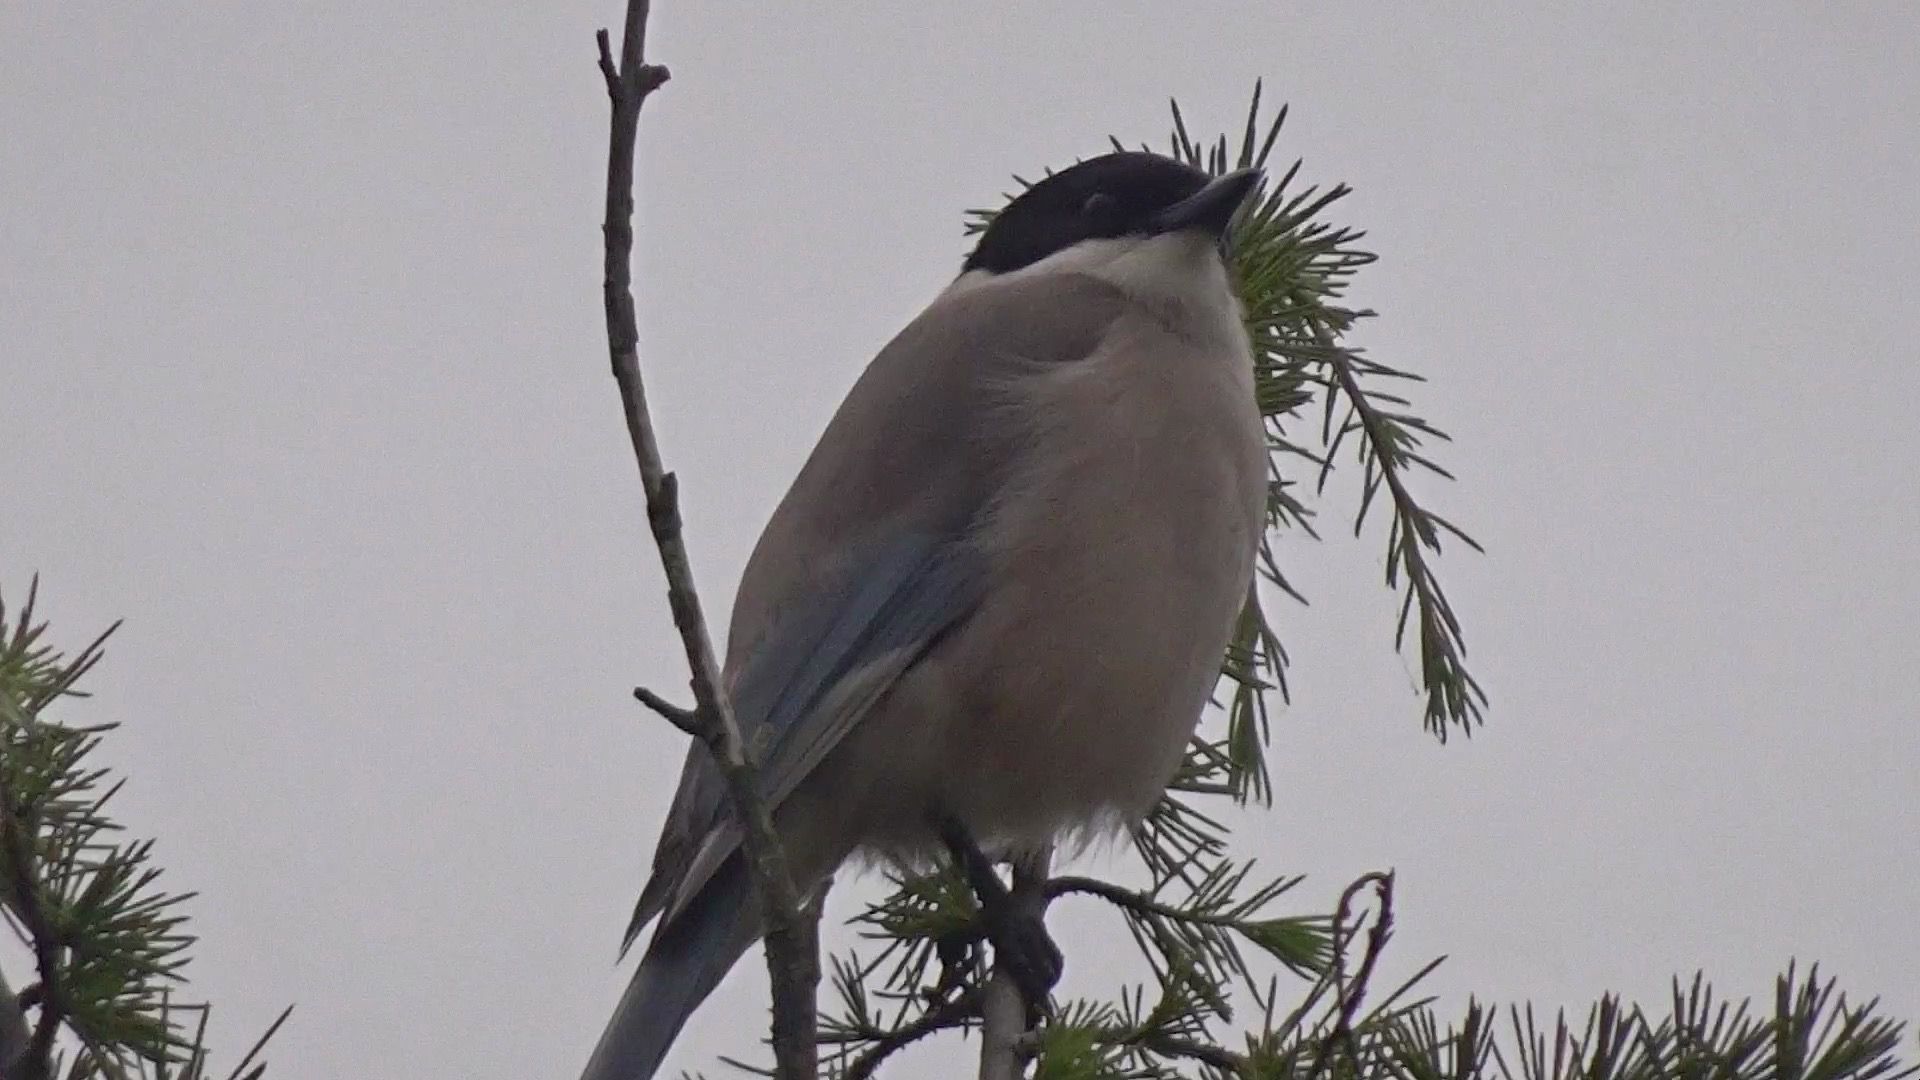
<point x="1351" y="993"/>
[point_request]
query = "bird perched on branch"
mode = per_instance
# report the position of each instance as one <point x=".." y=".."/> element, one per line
<point x="991" y="607"/>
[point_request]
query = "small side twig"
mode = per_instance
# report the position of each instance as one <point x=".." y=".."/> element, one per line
<point x="687" y="720"/>
<point x="1136" y="902"/>
<point x="792" y="949"/>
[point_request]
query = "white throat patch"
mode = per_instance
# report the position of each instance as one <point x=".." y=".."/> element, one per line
<point x="1181" y="267"/>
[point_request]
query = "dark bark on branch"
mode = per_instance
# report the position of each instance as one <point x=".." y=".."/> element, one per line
<point x="791" y="942"/>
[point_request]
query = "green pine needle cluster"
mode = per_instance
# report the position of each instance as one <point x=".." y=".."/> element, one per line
<point x="1293" y="270"/>
<point x="107" y="942"/>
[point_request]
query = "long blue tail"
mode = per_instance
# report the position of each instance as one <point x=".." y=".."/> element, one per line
<point x="686" y="959"/>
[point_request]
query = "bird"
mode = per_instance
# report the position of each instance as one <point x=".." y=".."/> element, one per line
<point x="990" y="609"/>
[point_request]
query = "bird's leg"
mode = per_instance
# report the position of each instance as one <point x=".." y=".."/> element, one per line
<point x="1019" y="937"/>
<point x="959" y="949"/>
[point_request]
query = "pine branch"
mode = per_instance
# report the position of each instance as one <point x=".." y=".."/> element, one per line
<point x="791" y="930"/>
<point x="1292" y="270"/>
<point x="1202" y="928"/>
<point x="956" y="1012"/>
<point x="107" y="942"/>
<point x="1387" y="451"/>
<point x="1222" y="1060"/>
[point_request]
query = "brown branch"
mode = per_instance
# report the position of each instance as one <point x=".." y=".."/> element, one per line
<point x="792" y="948"/>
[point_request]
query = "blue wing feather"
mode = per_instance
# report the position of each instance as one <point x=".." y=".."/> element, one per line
<point x="905" y="598"/>
<point x="809" y="681"/>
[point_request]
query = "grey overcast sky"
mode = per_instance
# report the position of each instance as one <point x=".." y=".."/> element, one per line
<point x="304" y="377"/>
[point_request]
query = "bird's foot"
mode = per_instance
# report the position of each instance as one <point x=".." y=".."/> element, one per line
<point x="1023" y="947"/>
<point x="1019" y="937"/>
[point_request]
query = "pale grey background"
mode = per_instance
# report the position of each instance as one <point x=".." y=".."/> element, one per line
<point x="304" y="376"/>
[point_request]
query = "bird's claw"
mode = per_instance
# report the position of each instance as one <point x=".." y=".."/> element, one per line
<point x="1019" y="936"/>
<point x="1022" y="945"/>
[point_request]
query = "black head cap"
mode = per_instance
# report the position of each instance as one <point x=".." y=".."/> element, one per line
<point x="1120" y="194"/>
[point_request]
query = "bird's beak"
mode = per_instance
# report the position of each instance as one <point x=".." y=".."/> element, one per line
<point x="1210" y="209"/>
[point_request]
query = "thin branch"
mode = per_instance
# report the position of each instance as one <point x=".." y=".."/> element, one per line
<point x="1218" y="1057"/>
<point x="1136" y="902"/>
<point x="952" y="1013"/>
<point x="792" y="957"/>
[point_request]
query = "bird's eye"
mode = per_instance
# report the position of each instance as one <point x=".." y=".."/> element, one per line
<point x="1097" y="204"/>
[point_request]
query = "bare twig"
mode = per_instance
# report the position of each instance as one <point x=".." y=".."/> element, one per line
<point x="687" y="720"/>
<point x="792" y="949"/>
<point x="1003" y="1010"/>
